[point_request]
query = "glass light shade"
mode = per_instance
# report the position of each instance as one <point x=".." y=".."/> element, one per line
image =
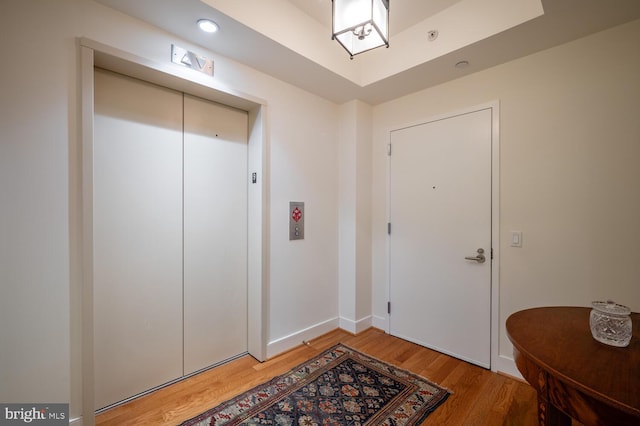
<point x="361" y="25"/>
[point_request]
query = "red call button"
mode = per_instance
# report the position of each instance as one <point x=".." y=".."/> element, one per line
<point x="296" y="214"/>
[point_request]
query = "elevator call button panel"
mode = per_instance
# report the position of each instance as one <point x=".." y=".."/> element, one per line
<point x="296" y="220"/>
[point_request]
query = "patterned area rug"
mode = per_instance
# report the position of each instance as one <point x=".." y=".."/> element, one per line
<point x="341" y="386"/>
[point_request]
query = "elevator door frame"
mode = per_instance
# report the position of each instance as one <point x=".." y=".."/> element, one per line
<point x="95" y="54"/>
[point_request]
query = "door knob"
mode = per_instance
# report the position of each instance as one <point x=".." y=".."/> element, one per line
<point x="479" y="258"/>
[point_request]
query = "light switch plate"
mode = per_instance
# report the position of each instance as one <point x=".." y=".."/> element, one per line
<point x="516" y="239"/>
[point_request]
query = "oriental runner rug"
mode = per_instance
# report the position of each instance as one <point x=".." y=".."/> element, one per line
<point x="341" y="386"/>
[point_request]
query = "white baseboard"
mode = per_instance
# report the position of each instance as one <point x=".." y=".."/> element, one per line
<point x="380" y="323"/>
<point x="504" y="365"/>
<point x="507" y="365"/>
<point x="355" y="327"/>
<point x="285" y="343"/>
<point x="75" y="422"/>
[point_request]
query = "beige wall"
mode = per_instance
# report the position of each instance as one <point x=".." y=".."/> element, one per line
<point x="569" y="175"/>
<point x="569" y="171"/>
<point x="40" y="193"/>
<point x="355" y="216"/>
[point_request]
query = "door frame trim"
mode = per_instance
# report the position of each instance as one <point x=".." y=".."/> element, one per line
<point x="92" y="54"/>
<point x="494" y="107"/>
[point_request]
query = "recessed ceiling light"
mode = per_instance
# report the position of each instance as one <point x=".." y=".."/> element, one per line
<point x="462" y="64"/>
<point x="207" y="25"/>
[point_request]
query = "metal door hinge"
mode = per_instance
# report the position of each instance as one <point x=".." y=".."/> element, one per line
<point x="491" y="253"/>
<point x="389" y="228"/>
<point x="389" y="308"/>
<point x="389" y="149"/>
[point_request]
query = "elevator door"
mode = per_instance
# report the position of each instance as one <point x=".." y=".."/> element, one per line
<point x="215" y="233"/>
<point x="170" y="231"/>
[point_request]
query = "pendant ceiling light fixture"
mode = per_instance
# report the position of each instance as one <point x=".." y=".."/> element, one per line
<point x="361" y="25"/>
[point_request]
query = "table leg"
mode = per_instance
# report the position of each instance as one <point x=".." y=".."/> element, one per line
<point x="550" y="415"/>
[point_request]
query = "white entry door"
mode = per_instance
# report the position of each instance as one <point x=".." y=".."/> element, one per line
<point x="440" y="215"/>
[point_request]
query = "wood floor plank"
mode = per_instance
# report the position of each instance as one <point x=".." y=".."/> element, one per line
<point x="479" y="396"/>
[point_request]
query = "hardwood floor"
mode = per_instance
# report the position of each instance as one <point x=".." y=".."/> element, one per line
<point x="479" y="397"/>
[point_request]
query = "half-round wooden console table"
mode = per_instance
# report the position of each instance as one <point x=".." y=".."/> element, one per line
<point x="576" y="376"/>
